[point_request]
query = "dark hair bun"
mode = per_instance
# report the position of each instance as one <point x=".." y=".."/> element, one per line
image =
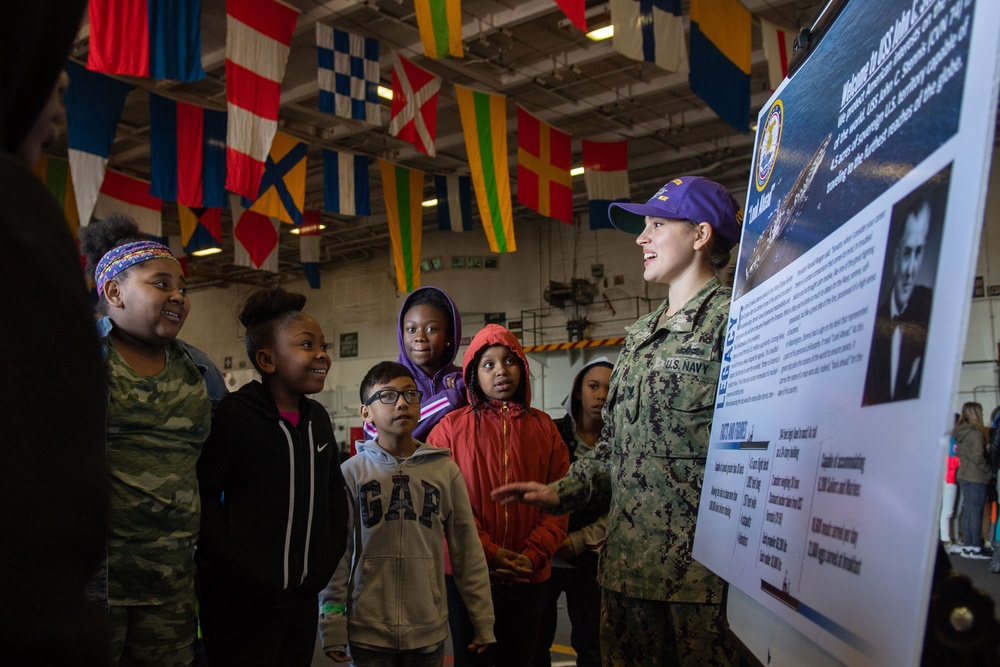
<point x="103" y="235"/>
<point x="267" y="304"/>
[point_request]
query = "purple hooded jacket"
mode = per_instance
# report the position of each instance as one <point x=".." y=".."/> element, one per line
<point x="439" y="399"/>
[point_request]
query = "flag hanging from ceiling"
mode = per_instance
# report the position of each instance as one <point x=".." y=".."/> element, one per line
<point x="605" y="172"/>
<point x="255" y="237"/>
<point x="454" y="202"/>
<point x="414" y="104"/>
<point x="403" y="190"/>
<point x="187" y="146"/>
<point x="55" y="174"/>
<point x="348" y="74"/>
<point x="258" y="37"/>
<point x="201" y="227"/>
<point x="651" y="31"/>
<point x="484" y="125"/>
<point x="720" y="59"/>
<point x="124" y="194"/>
<point x="440" y="25"/>
<point x="157" y="39"/>
<point x="544" y="158"/>
<point x="309" y="246"/>
<point x="345" y="183"/>
<point x="283" y="187"/>
<point x="94" y="104"/>
<point x="575" y="11"/>
<point x="778" y="45"/>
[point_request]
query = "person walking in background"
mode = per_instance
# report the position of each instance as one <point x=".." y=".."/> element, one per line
<point x="158" y="416"/>
<point x="54" y="499"/>
<point x="574" y="569"/>
<point x="429" y="333"/>
<point x="949" y="499"/>
<point x="496" y="439"/>
<point x="386" y="599"/>
<point x="658" y="606"/>
<point x="974" y="474"/>
<point x="274" y="523"/>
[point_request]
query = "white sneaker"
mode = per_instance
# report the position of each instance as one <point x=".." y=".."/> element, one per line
<point x="955" y="548"/>
<point x="974" y="552"/>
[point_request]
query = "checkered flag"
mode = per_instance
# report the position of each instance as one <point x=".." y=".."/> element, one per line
<point x="348" y="75"/>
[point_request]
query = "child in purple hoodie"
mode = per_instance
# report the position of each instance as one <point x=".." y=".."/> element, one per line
<point x="429" y="332"/>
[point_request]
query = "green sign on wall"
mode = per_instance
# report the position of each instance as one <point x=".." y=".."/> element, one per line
<point x="349" y="344"/>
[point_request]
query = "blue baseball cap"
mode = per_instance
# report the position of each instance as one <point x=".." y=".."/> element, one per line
<point x="684" y="198"/>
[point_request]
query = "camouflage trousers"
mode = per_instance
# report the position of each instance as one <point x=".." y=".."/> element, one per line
<point x="153" y="634"/>
<point x="638" y="632"/>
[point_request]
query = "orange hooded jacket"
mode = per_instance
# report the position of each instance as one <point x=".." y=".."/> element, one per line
<point x="498" y="442"/>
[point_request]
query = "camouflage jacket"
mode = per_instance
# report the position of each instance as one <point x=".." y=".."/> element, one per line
<point x="650" y="460"/>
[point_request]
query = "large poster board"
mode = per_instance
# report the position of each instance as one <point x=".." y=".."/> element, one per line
<point x="827" y="452"/>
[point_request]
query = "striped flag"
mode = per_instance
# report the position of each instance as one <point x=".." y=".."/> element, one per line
<point x="575" y="11"/>
<point x="124" y="194"/>
<point x="720" y="59"/>
<point x="187" y="146"/>
<point x="156" y="39"/>
<point x="414" y="104"/>
<point x="651" y="31"/>
<point x="55" y="174"/>
<point x="440" y="24"/>
<point x="255" y="238"/>
<point x="309" y="246"/>
<point x="201" y="228"/>
<point x="283" y="186"/>
<point x="348" y="74"/>
<point x="94" y="104"/>
<point x="258" y="38"/>
<point x="484" y="125"/>
<point x="454" y="207"/>
<point x="605" y="172"/>
<point x="403" y="190"/>
<point x="544" y="158"/>
<point x="777" y="51"/>
<point x="345" y="183"/>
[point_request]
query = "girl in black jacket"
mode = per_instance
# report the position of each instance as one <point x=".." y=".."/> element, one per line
<point x="274" y="510"/>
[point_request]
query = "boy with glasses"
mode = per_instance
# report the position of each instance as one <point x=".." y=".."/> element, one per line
<point x="387" y="598"/>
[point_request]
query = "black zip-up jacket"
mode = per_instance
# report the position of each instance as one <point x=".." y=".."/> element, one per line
<point x="274" y="509"/>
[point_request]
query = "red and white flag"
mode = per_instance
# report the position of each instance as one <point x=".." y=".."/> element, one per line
<point x="255" y="236"/>
<point x="258" y="39"/>
<point x="605" y="174"/>
<point x="124" y="194"/>
<point x="777" y="50"/>
<point x="575" y="11"/>
<point x="414" y="104"/>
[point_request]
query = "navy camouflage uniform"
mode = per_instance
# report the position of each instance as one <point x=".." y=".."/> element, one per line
<point x="659" y="607"/>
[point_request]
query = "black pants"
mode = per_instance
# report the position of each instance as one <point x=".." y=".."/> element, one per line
<point x="583" y="604"/>
<point x="517" y="608"/>
<point x="240" y="630"/>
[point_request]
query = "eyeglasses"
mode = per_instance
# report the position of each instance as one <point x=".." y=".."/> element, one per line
<point x="390" y="396"/>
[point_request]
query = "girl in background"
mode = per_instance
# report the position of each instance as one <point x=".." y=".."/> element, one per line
<point x="274" y="524"/>
<point x="574" y="568"/>
<point x="159" y="413"/>
<point x="429" y="332"/>
<point x="496" y="439"/>
<point x="974" y="475"/>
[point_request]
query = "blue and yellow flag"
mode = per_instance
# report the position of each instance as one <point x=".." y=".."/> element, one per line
<point x="282" y="191"/>
<point x="720" y="59"/>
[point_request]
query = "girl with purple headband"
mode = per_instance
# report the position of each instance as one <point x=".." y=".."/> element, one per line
<point x="161" y="393"/>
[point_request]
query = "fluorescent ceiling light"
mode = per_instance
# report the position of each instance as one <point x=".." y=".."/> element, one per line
<point x="206" y="251"/>
<point x="576" y="171"/>
<point x="385" y="93"/>
<point x="601" y="33"/>
<point x="430" y="203"/>
<point x="296" y="230"/>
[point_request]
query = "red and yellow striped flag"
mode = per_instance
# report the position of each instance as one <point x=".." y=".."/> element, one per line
<point x="484" y="124"/>
<point x="403" y="190"/>
<point x="440" y="24"/>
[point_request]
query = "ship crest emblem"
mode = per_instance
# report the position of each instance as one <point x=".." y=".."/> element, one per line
<point x="767" y="148"/>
